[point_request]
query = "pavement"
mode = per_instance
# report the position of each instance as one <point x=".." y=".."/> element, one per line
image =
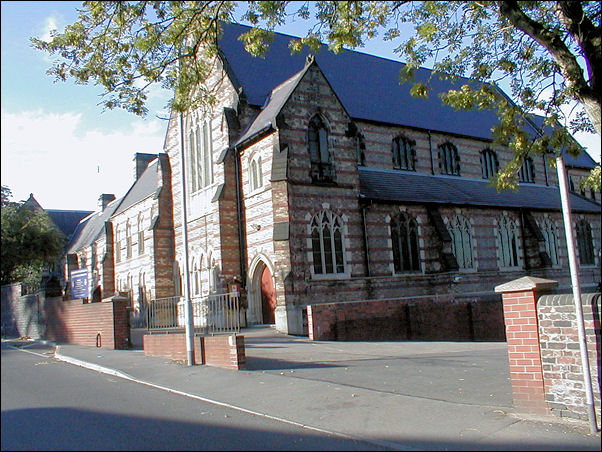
<point x="398" y="395"/>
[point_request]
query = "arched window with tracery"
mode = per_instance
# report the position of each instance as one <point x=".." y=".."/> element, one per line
<point x="327" y="243"/>
<point x="585" y="243"/>
<point x="319" y="153"/>
<point x="527" y="171"/>
<point x="449" y="159"/>
<point x="507" y="242"/>
<point x="550" y="235"/>
<point x="404" y="154"/>
<point x="404" y="241"/>
<point x="489" y="163"/>
<point x="462" y="244"/>
<point x="199" y="156"/>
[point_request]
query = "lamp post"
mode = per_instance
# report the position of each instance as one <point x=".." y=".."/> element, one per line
<point x="574" y="269"/>
<point x="186" y="286"/>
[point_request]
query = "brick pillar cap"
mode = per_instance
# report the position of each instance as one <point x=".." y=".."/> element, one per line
<point x="526" y="283"/>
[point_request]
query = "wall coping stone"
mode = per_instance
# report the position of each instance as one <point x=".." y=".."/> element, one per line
<point x="526" y="283"/>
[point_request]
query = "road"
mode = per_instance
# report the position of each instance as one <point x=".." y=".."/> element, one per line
<point x="52" y="405"/>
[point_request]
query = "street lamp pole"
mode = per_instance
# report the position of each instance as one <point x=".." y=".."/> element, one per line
<point x="186" y="286"/>
<point x="574" y="269"/>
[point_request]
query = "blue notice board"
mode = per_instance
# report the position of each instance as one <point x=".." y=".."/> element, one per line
<point x="79" y="284"/>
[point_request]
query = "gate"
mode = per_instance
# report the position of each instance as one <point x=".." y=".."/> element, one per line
<point x="212" y="314"/>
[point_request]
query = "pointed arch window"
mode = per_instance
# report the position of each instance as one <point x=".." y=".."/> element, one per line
<point x="255" y="174"/>
<point x="585" y="243"/>
<point x="462" y="247"/>
<point x="327" y="243"/>
<point x="117" y="245"/>
<point x="489" y="163"/>
<point x="550" y="235"/>
<point x="128" y="239"/>
<point x="404" y="241"/>
<point x="321" y="165"/>
<point x="140" y="234"/>
<point x="449" y="159"/>
<point x="507" y="235"/>
<point x="404" y="154"/>
<point x="199" y="156"/>
<point x="527" y="171"/>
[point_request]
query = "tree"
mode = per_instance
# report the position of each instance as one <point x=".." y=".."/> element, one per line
<point x="548" y="53"/>
<point x="30" y="241"/>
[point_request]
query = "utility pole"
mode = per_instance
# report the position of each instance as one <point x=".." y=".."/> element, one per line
<point x="568" y="230"/>
<point x="188" y="315"/>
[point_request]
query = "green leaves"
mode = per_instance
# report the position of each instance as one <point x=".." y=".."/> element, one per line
<point x="29" y="240"/>
<point x="531" y="47"/>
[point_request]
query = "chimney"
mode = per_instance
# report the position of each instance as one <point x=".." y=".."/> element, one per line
<point x="141" y="161"/>
<point x="104" y="200"/>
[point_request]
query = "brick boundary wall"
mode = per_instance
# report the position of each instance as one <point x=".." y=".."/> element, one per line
<point x="80" y="323"/>
<point x="543" y="348"/>
<point x="408" y="319"/>
<point x="227" y="352"/>
<point x="561" y="354"/>
<point x="21" y="314"/>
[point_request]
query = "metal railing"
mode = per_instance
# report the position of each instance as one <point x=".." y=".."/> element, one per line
<point x="213" y="314"/>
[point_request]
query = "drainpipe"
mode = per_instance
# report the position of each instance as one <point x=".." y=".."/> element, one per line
<point x="431" y="152"/>
<point x="239" y="210"/>
<point x="366" y="247"/>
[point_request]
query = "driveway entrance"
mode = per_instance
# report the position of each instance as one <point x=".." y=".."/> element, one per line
<point x="472" y="373"/>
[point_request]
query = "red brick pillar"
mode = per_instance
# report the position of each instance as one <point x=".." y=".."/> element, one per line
<point x="519" y="298"/>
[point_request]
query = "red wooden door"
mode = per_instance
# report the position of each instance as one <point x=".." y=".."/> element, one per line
<point x="268" y="297"/>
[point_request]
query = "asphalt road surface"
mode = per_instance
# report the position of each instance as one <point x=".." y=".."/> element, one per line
<point x="52" y="405"/>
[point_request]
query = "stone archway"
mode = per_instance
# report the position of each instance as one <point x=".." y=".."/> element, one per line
<point x="262" y="295"/>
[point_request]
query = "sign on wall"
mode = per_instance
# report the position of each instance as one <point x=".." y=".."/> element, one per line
<point x="79" y="284"/>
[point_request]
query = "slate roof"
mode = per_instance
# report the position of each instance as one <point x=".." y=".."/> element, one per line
<point x="266" y="117"/>
<point x="399" y="186"/>
<point x="91" y="227"/>
<point x="67" y="220"/>
<point x="146" y="185"/>
<point x="367" y="85"/>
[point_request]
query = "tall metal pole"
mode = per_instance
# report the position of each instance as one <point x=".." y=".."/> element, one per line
<point x="568" y="229"/>
<point x="187" y="301"/>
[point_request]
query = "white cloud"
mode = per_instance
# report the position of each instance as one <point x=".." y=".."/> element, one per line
<point x="50" y="25"/>
<point x="44" y="153"/>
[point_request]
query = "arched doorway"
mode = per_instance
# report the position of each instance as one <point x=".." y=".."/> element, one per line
<point x="268" y="297"/>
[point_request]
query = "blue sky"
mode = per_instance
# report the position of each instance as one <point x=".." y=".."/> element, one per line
<point x="57" y="143"/>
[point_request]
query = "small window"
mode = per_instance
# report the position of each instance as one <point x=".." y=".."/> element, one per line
<point x="140" y="235"/>
<point x="449" y="159"/>
<point x="527" y="171"/>
<point x="255" y="174"/>
<point x="489" y="163"/>
<point x="117" y="245"/>
<point x="360" y="147"/>
<point x="404" y="240"/>
<point x="507" y="231"/>
<point x="128" y="240"/>
<point x="321" y="166"/>
<point x="404" y="154"/>
<point x="585" y="243"/>
<point x="327" y="243"/>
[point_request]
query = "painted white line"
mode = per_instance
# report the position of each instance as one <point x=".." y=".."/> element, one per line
<point x="27" y="351"/>
<point x="388" y="444"/>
